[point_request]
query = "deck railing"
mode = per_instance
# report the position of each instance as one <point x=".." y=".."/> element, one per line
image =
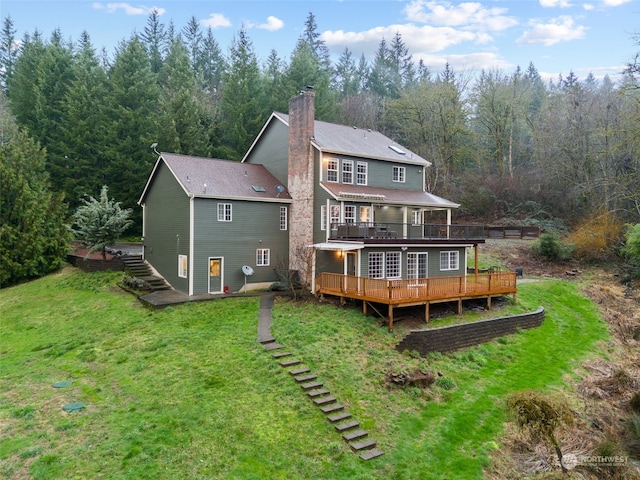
<point x="406" y="231"/>
<point x="416" y="289"/>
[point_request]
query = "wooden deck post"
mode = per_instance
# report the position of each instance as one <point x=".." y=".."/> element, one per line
<point x="459" y="306"/>
<point x="390" y="317"/>
<point x="426" y="312"/>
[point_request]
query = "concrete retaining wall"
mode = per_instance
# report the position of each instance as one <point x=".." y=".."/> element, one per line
<point x="454" y="337"/>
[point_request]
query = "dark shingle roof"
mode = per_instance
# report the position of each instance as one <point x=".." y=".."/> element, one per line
<point x="209" y="177"/>
<point x="359" y="142"/>
<point x="387" y="196"/>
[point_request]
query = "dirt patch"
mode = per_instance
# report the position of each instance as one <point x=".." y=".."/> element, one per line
<point x="601" y="395"/>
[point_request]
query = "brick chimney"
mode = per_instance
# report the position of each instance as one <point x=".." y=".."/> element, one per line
<point x="301" y="180"/>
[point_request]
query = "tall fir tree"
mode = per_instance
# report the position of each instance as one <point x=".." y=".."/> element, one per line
<point x="156" y="40"/>
<point x="8" y="52"/>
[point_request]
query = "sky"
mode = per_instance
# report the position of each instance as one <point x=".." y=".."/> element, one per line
<point x="557" y="36"/>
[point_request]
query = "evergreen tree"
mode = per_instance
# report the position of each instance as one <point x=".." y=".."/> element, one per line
<point x="318" y="46"/>
<point x="155" y="39"/>
<point x="383" y="78"/>
<point x="100" y="223"/>
<point x="83" y="126"/>
<point x="275" y="96"/>
<point x="33" y="238"/>
<point x="212" y="65"/>
<point x="346" y="74"/>
<point x="243" y="108"/>
<point x="8" y="52"/>
<point x="403" y="71"/>
<point x="193" y="40"/>
<point x="132" y="108"/>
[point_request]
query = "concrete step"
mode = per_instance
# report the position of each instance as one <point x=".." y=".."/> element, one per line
<point x="355" y="435"/>
<point x="299" y="371"/>
<point x="362" y="445"/>
<point x="324" y="400"/>
<point x="311" y="385"/>
<point x="317" y="393"/>
<point x="305" y="378"/>
<point x="281" y="355"/>
<point x="339" y="417"/>
<point x="334" y="407"/>
<point x="369" y="454"/>
<point x="290" y="363"/>
<point x="343" y="427"/>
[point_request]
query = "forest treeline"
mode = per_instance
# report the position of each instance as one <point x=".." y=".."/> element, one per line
<point x="506" y="145"/>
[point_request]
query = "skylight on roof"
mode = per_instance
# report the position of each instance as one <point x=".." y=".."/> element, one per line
<point x="396" y="149"/>
<point x="258" y="188"/>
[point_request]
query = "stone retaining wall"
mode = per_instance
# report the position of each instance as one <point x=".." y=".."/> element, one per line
<point x="454" y="337"/>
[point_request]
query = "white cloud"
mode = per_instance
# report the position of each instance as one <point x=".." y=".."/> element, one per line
<point x="127" y="8"/>
<point x="273" y="24"/>
<point x="615" y="3"/>
<point x="417" y="39"/>
<point x="467" y="15"/>
<point x="562" y="29"/>
<point x="472" y="62"/>
<point x="216" y="20"/>
<point x="555" y="3"/>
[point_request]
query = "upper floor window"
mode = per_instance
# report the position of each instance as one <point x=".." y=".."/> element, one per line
<point x="365" y="215"/>
<point x="361" y="173"/>
<point x="399" y="174"/>
<point x="334" y="218"/>
<point x="262" y="257"/>
<point x="224" y="212"/>
<point x="450" y="260"/>
<point x="349" y="214"/>
<point x="283" y="218"/>
<point x="332" y="170"/>
<point x="416" y="217"/>
<point x="347" y="171"/>
<point x="323" y="217"/>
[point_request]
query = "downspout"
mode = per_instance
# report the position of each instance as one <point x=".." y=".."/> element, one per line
<point x="191" y="243"/>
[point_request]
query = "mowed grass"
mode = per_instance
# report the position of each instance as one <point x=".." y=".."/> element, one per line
<point x="187" y="392"/>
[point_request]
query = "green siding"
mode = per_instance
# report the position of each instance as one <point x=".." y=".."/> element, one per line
<point x="273" y="151"/>
<point x="254" y="225"/>
<point x="166" y="226"/>
<point x="433" y="260"/>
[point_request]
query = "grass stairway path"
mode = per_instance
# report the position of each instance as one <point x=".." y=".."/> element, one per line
<point x="357" y="439"/>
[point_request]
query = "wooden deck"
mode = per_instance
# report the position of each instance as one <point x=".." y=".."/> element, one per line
<point x="418" y="291"/>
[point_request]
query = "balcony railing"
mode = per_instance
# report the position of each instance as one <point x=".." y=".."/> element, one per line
<point x="416" y="289"/>
<point x="405" y="231"/>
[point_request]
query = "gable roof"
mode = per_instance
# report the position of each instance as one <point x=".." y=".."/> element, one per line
<point x="389" y="196"/>
<point x="226" y="179"/>
<point x="352" y="141"/>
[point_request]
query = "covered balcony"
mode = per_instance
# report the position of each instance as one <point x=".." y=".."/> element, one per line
<point x="405" y="231"/>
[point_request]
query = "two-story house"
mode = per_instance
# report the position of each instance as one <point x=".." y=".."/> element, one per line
<point x="345" y="208"/>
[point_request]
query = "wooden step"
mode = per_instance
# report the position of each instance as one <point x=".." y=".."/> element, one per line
<point x="317" y="393"/>
<point x="305" y="378"/>
<point x="290" y="363"/>
<point x="363" y="445"/>
<point x="342" y="427"/>
<point x="272" y="346"/>
<point x="281" y="354"/>
<point x="267" y="340"/>
<point x="369" y="454"/>
<point x="299" y="371"/>
<point x="339" y="417"/>
<point x="334" y="407"/>
<point x="311" y="385"/>
<point x="324" y="400"/>
<point x="355" y="435"/>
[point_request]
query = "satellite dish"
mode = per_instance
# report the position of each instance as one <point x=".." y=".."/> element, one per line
<point x="247" y="270"/>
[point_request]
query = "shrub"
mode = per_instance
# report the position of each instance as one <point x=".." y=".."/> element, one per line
<point x="597" y="237"/>
<point x="635" y="402"/>
<point x="632" y="243"/>
<point x="550" y="247"/>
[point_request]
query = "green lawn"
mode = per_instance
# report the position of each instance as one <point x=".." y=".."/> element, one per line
<point x="187" y="392"/>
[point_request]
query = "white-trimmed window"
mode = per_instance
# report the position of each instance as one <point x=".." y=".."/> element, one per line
<point x="418" y="265"/>
<point x="376" y="264"/>
<point x="224" y="212"/>
<point x="361" y="173"/>
<point x="366" y="215"/>
<point x="349" y="214"/>
<point x="332" y="170"/>
<point x="399" y="174"/>
<point x="323" y="217"/>
<point x="450" y="260"/>
<point x="182" y="266"/>
<point x="335" y="216"/>
<point x="262" y="257"/>
<point x="416" y="217"/>
<point x="284" y="216"/>
<point x="392" y="265"/>
<point x="347" y="171"/>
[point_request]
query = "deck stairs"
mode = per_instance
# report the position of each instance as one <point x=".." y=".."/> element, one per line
<point x="139" y="268"/>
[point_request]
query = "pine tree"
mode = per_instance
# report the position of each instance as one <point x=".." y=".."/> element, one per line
<point x="155" y="38"/>
<point x="8" y="52"/>
<point x="33" y="237"/>
<point x="100" y="223"/>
